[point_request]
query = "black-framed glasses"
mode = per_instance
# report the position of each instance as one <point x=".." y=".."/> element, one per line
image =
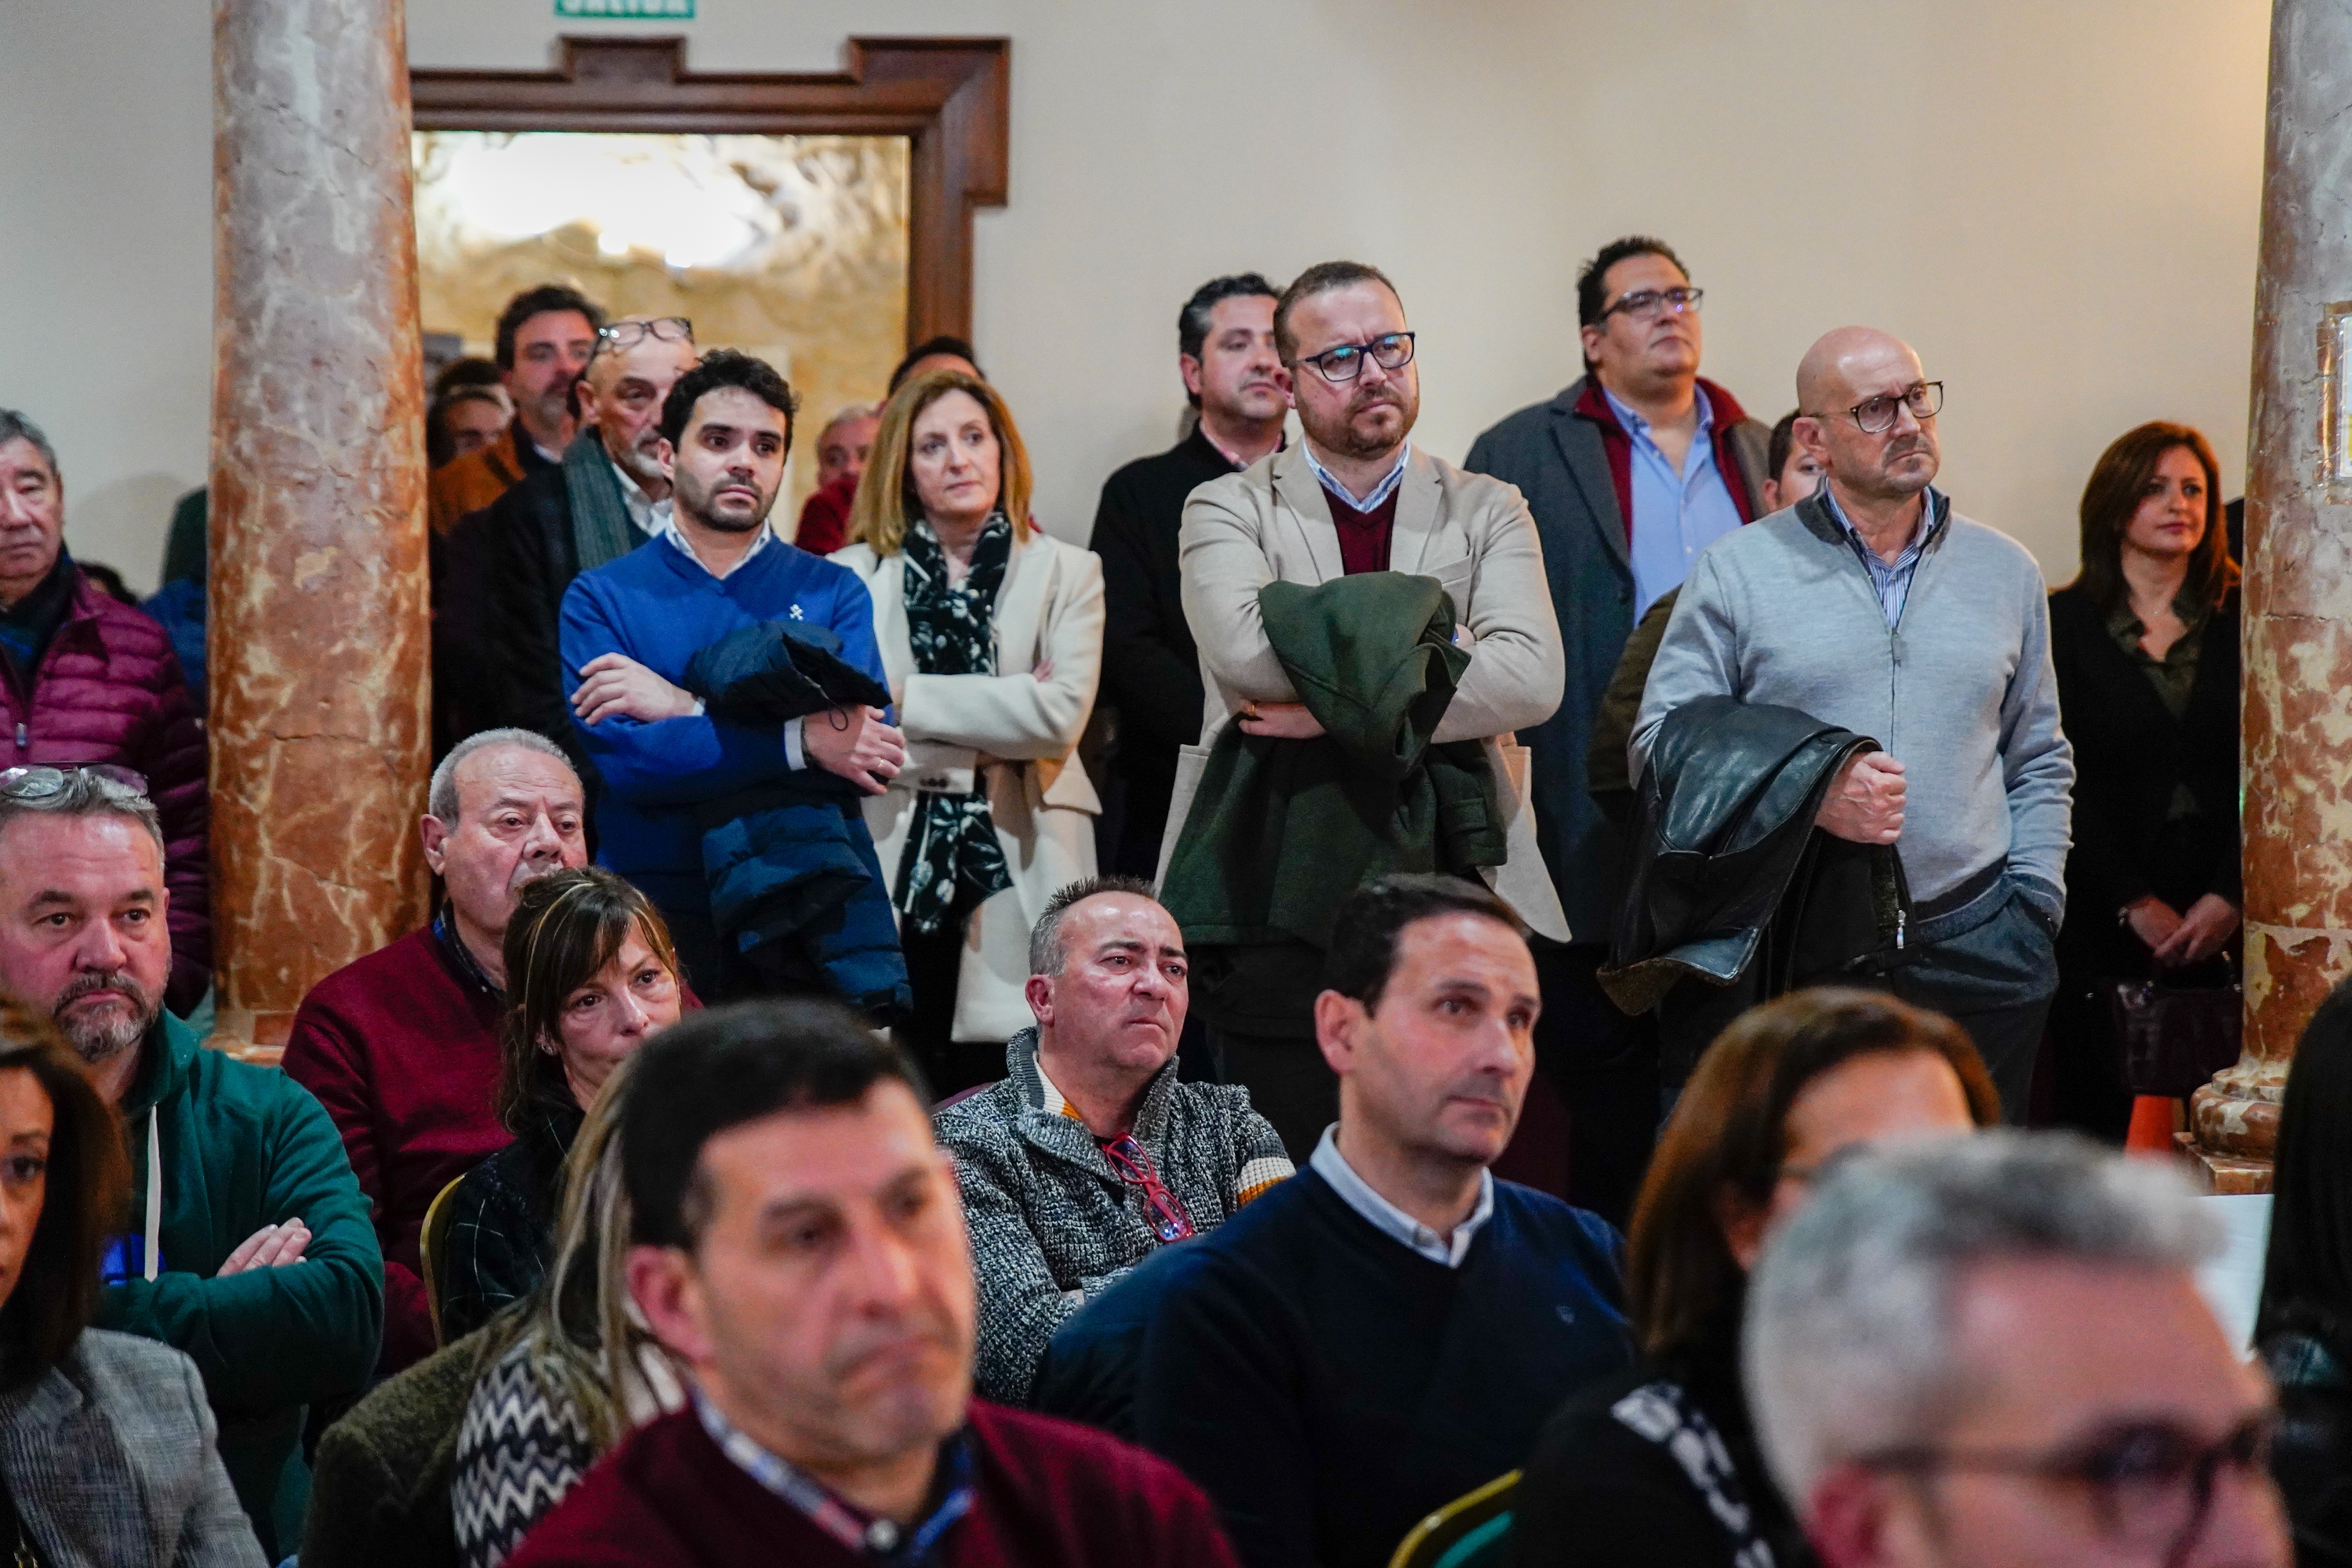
<point x="39" y="782"/>
<point x="629" y="334"/>
<point x="1165" y="1212"/>
<point x="1876" y="415"/>
<point x="1346" y="362"/>
<point x="1649" y="304"/>
<point x="2151" y="1484"/>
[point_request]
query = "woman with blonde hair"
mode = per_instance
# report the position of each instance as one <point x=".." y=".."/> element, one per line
<point x="991" y="634"/>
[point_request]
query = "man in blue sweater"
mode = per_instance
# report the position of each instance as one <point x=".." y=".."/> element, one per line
<point x="1387" y="1329"/>
<point x="630" y="627"/>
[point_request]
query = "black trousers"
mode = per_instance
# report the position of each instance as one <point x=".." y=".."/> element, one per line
<point x="934" y="964"/>
<point x="1604" y="1066"/>
<point x="1290" y="1084"/>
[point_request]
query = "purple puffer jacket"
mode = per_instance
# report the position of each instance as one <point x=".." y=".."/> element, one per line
<point x="109" y="691"/>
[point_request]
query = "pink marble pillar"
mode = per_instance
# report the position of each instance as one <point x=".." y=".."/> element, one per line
<point x="2298" y="590"/>
<point x="318" y="633"/>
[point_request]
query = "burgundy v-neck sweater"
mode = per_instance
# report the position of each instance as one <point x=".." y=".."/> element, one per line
<point x="1048" y="1494"/>
<point x="402" y="1047"/>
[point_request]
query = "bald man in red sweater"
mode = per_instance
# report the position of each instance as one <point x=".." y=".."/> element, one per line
<point x="402" y="1047"/>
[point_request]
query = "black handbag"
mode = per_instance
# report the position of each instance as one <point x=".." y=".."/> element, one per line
<point x="2170" y="1040"/>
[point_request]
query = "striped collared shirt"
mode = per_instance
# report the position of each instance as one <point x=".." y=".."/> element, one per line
<point x="881" y="1538"/>
<point x="1893" y="583"/>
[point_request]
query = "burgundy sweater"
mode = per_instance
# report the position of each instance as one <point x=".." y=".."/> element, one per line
<point x="1049" y="1495"/>
<point x="403" y="1050"/>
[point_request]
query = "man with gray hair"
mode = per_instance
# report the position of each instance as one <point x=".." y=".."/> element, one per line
<point x="1091" y="1154"/>
<point x="842" y="448"/>
<point x="402" y="1047"/>
<point x="90" y="679"/>
<point x="247" y="1245"/>
<point x="1992" y="1353"/>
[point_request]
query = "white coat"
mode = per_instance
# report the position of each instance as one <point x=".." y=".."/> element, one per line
<point x="1017" y="736"/>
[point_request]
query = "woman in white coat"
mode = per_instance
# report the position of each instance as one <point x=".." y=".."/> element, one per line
<point x="991" y="632"/>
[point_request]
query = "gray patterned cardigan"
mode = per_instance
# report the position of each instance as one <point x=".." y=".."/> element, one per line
<point x="111" y="1458"/>
<point x="1052" y="1223"/>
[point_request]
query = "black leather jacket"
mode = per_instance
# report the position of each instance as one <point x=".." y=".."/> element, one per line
<point x="1729" y="882"/>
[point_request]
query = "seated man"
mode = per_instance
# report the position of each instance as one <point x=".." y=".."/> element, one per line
<point x="248" y="1246"/>
<point x="1091" y="1154"/>
<point x="402" y="1047"/>
<point x="1992" y="1353"/>
<point x="799" y="1248"/>
<point x="1387" y="1329"/>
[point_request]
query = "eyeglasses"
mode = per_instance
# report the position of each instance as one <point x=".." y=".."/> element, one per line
<point x="1167" y="1216"/>
<point x="41" y="782"/>
<point x="1649" y="304"/>
<point x="2151" y="1484"/>
<point x="1346" y="362"/>
<point x="1876" y="415"/>
<point x="629" y="334"/>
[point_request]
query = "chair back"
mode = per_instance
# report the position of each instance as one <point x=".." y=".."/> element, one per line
<point x="1467" y="1532"/>
<point x="432" y="1246"/>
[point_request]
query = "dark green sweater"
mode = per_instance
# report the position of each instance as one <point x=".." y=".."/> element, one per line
<point x="245" y="1146"/>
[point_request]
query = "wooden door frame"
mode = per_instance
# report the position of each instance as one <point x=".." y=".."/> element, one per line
<point x="951" y="98"/>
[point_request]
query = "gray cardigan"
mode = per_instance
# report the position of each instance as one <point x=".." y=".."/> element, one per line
<point x="1052" y="1223"/>
<point x="1961" y="691"/>
<point x="112" y="1462"/>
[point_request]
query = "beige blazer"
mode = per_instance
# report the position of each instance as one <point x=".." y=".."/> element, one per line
<point x="1010" y="734"/>
<point x="1472" y="533"/>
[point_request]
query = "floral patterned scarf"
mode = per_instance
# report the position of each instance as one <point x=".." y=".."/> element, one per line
<point x="953" y="852"/>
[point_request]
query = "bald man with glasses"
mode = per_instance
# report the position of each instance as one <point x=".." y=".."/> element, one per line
<point x="1874" y="606"/>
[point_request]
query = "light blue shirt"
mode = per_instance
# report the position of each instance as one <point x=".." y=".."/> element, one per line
<point x="1676" y="516"/>
<point x="1891" y="582"/>
<point x="1379" y="493"/>
<point x="1392" y="1221"/>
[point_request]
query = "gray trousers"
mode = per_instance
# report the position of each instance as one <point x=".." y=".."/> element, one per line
<point x="1989" y="966"/>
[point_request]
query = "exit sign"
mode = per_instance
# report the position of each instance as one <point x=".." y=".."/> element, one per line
<point x="664" y="10"/>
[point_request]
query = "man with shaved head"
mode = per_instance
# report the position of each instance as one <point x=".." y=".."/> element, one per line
<point x="1874" y="606"/>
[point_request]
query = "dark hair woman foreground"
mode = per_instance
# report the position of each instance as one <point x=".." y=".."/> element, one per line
<point x="1787" y="1088"/>
<point x="107" y="1443"/>
<point x="590" y="975"/>
<point x="2145" y="646"/>
<point x="2303" y="1331"/>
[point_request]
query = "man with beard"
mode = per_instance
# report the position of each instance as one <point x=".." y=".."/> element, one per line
<point x="796" y="1245"/>
<point x="543" y="340"/>
<point x="1874" y="606"/>
<point x="402" y="1047"/>
<point x="1151" y="668"/>
<point x="248" y="1245"/>
<point x="1353" y="497"/>
<point x="630" y="627"/>
<point x="609" y="496"/>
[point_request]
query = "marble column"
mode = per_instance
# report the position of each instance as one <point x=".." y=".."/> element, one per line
<point x="318" y="633"/>
<point x="2298" y="590"/>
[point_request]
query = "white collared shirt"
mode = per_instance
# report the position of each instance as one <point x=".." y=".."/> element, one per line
<point x="651" y="516"/>
<point x="1378" y="493"/>
<point x="1385" y="1217"/>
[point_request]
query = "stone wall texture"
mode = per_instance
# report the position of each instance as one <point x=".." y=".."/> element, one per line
<point x="318" y="633"/>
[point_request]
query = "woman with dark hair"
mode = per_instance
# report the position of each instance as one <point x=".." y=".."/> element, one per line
<point x="1659" y="1466"/>
<point x="991" y="633"/>
<point x="107" y="1442"/>
<point x="591" y="974"/>
<point x="551" y="1398"/>
<point x="2146" y="644"/>
<point x="2304" y="1330"/>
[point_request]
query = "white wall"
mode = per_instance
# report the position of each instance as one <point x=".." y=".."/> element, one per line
<point x="2055" y="200"/>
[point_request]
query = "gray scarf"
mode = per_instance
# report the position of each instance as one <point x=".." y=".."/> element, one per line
<point x="602" y="529"/>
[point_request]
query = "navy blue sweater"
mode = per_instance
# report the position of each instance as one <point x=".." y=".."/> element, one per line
<point x="1329" y="1387"/>
<point x="658" y="605"/>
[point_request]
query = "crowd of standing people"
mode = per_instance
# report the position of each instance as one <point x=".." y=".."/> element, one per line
<point x="941" y="1046"/>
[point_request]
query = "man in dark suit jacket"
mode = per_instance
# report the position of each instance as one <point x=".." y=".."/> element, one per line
<point x="507" y="566"/>
<point x="1152" y="671"/>
<point x="1631" y="471"/>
